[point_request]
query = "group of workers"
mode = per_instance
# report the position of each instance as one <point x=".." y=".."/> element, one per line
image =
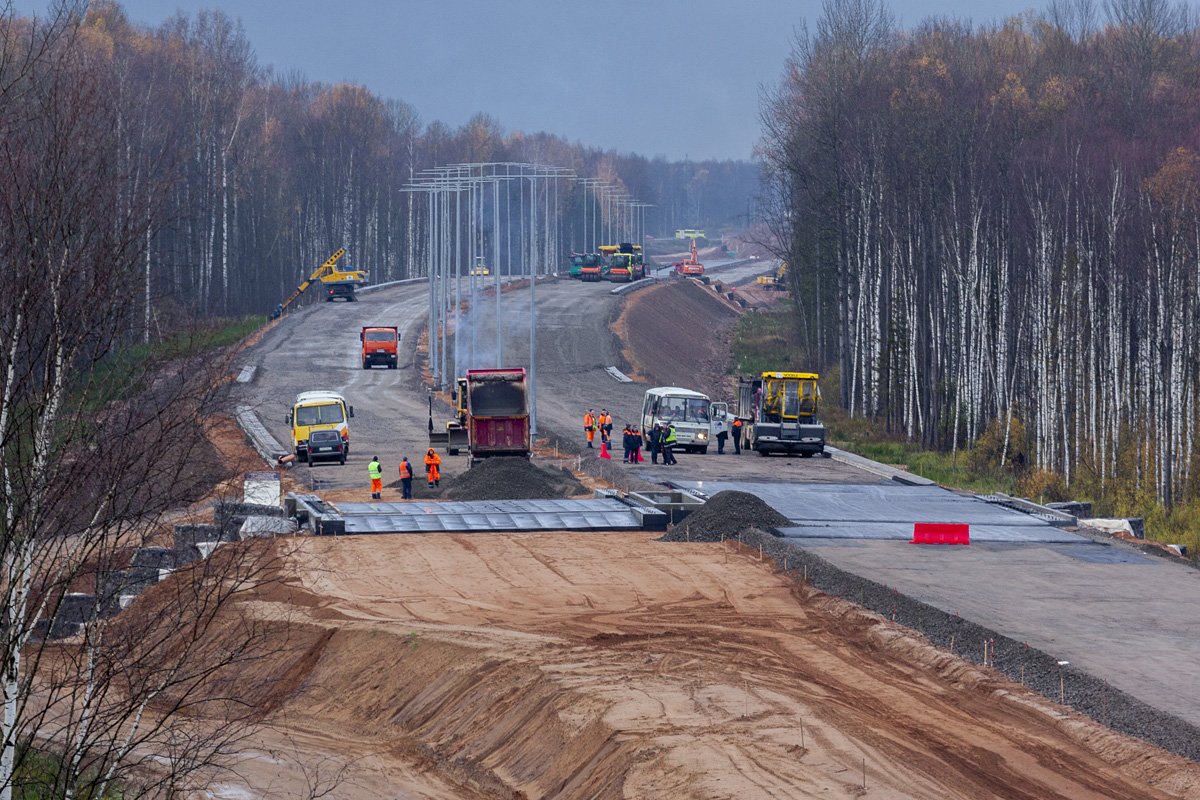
<point x="660" y="439"/>
<point x="433" y="475"/>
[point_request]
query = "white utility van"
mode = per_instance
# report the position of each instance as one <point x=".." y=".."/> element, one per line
<point x="692" y="414"/>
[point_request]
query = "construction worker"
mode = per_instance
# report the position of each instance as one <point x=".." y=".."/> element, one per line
<point x="601" y="423"/>
<point x="589" y="426"/>
<point x="375" y="470"/>
<point x="635" y="441"/>
<point x="406" y="476"/>
<point x="607" y="425"/>
<point x="432" y="474"/>
<point x="655" y="437"/>
<point x="722" y="429"/>
<point x="668" y="443"/>
<point x="737" y="436"/>
<point x="627" y="444"/>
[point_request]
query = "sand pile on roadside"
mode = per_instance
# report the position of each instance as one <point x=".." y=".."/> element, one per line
<point x="512" y="479"/>
<point x="724" y="516"/>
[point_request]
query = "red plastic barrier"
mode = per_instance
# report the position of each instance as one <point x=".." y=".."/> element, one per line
<point x="941" y="533"/>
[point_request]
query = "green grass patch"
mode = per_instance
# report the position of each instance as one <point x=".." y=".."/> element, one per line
<point x="119" y="374"/>
<point x="765" y="342"/>
<point x="39" y="778"/>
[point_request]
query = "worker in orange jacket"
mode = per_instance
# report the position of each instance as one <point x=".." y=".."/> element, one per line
<point x="605" y="425"/>
<point x="432" y="462"/>
<point x="406" y="476"/>
<point x="589" y="426"/>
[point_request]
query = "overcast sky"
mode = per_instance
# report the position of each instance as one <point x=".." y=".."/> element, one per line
<point x="657" y="77"/>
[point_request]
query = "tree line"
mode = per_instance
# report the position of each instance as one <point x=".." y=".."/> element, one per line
<point x="254" y="178"/>
<point x="995" y="231"/>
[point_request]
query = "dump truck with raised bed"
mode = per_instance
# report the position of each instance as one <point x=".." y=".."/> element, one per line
<point x="779" y="413"/>
<point x="380" y="345"/>
<point x="497" y="413"/>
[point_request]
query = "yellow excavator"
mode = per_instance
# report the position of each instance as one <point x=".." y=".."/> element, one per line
<point x="337" y="283"/>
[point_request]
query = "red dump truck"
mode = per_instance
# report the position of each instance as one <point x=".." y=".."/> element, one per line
<point x="379" y="345"/>
<point x="497" y="413"/>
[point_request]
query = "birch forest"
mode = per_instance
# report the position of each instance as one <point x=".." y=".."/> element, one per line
<point x="995" y="233"/>
<point x="260" y="176"/>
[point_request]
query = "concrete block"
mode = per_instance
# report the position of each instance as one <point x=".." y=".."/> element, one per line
<point x="76" y="607"/>
<point x="188" y="535"/>
<point x="266" y="527"/>
<point x="139" y="579"/>
<point x="156" y="557"/>
<point x="1137" y="526"/>
<point x="60" y="629"/>
<point x="206" y="548"/>
<point x="261" y="488"/>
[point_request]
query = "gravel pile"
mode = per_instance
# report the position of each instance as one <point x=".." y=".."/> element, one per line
<point x="725" y="516"/>
<point x="511" y="479"/>
<point x="1016" y="660"/>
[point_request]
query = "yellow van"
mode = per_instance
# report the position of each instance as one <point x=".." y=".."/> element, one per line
<point x="318" y="410"/>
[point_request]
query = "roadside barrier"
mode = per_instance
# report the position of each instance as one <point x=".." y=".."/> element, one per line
<point x="941" y="533"/>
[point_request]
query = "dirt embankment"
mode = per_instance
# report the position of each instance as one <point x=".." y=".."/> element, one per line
<point x="615" y="666"/>
<point x="678" y="334"/>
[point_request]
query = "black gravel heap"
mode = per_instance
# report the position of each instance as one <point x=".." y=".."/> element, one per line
<point x="512" y="478"/>
<point x="1016" y="660"/>
<point x="726" y="515"/>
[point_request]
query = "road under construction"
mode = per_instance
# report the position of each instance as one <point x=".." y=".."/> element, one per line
<point x="1090" y="621"/>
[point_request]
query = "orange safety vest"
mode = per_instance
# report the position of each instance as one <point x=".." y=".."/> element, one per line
<point x="737" y="423"/>
<point x="431" y="463"/>
<point x="405" y="469"/>
<point x="588" y="421"/>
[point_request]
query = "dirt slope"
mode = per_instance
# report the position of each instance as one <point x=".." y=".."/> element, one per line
<point x="612" y="666"/>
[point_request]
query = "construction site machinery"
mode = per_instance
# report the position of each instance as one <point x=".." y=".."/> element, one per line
<point x="337" y="283"/>
<point x="380" y="345"/>
<point x="454" y="433"/>
<point x="597" y="269"/>
<point x="497" y="413"/>
<point x="779" y="413"/>
<point x="776" y="281"/>
<point x="689" y="233"/>
<point x="626" y="265"/>
<point x="692" y="267"/>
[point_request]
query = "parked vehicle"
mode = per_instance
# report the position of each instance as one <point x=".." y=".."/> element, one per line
<point x="326" y="445"/>
<point x="318" y="410"/>
<point x="380" y="345"/>
<point x="692" y="414"/>
<point x="779" y="411"/>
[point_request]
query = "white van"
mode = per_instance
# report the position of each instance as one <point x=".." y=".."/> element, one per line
<point x="692" y="414"/>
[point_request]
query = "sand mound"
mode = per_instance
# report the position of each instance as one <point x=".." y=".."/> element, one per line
<point x="724" y="516"/>
<point x="512" y="479"/>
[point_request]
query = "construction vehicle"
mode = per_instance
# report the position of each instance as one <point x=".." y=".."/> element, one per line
<point x="692" y="267"/>
<point x="689" y="233"/>
<point x="497" y="413"/>
<point x="626" y="265"/>
<point x="598" y="269"/>
<point x="318" y="410"/>
<point x="691" y="413"/>
<point x="776" y="281"/>
<point x="337" y="283"/>
<point x="380" y="345"/>
<point x="454" y="433"/>
<point x="779" y="413"/>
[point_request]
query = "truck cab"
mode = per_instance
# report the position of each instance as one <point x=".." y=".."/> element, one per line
<point x="380" y="345"/>
<point x="318" y="410"/>
<point x="691" y="413"/>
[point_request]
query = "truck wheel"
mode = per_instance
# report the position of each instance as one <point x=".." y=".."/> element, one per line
<point x="392" y="365"/>
<point x="762" y="451"/>
<point x="366" y="365"/>
<point x="704" y="450"/>
<point x="342" y="461"/>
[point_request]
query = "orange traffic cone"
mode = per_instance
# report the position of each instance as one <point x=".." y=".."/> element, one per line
<point x="604" y="451"/>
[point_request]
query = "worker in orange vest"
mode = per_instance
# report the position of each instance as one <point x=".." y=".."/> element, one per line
<point x="737" y="436"/>
<point x="406" y="476"/>
<point x="605" y="425"/>
<point x="589" y="426"/>
<point x="432" y="462"/>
